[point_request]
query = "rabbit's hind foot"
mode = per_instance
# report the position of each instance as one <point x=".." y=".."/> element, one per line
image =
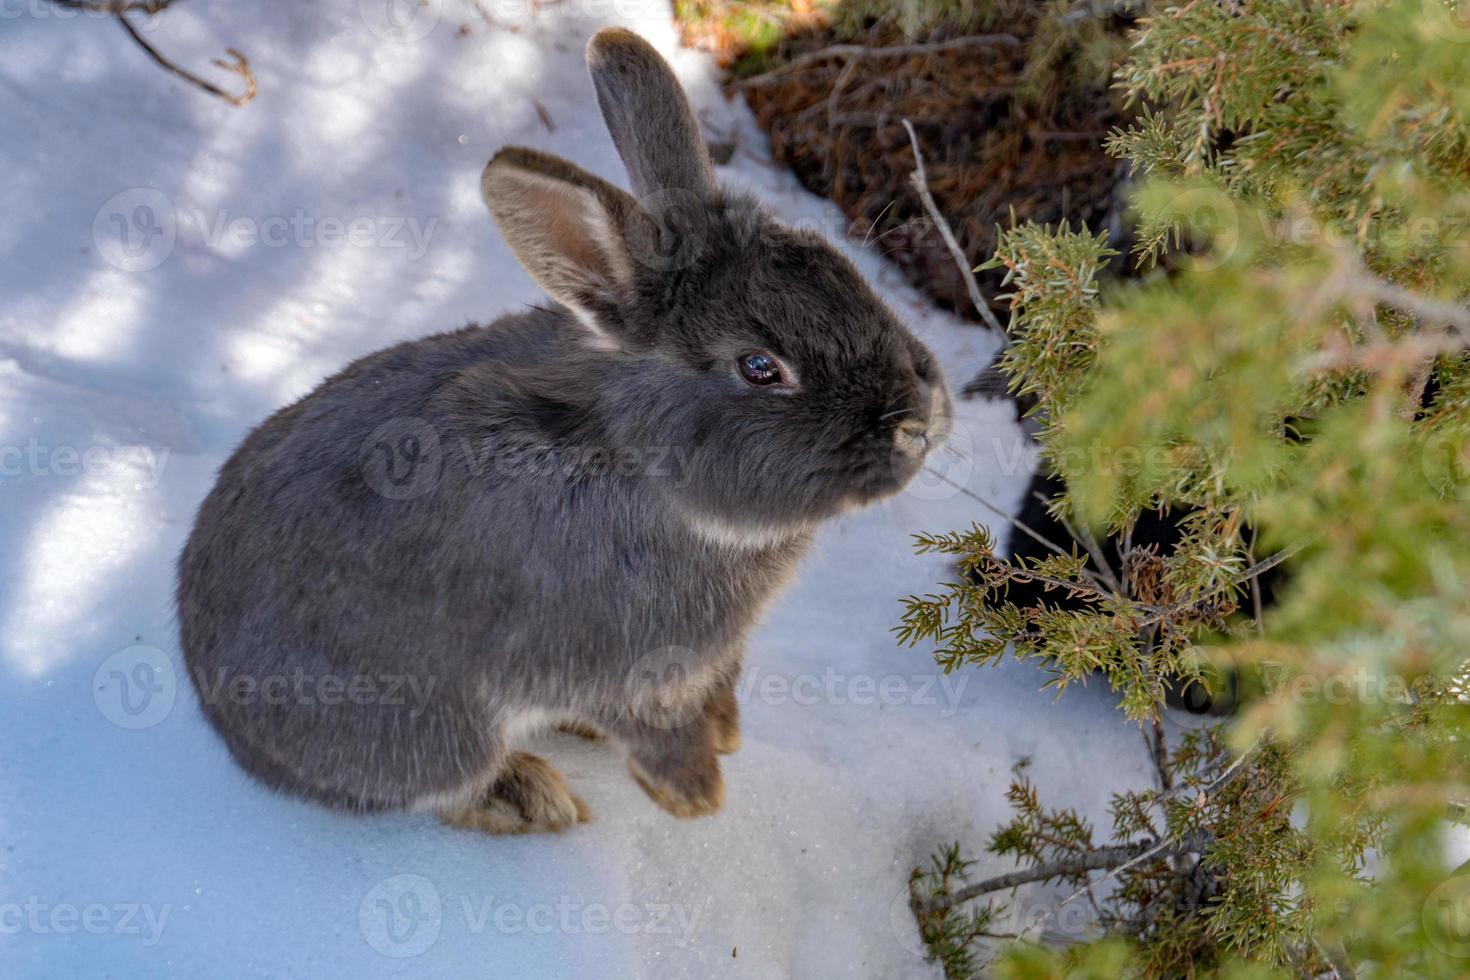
<point x="723" y="712"/>
<point x="581" y="729"/>
<point x="695" y="788"/>
<point x="528" y="796"/>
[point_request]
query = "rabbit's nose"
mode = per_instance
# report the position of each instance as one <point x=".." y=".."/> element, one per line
<point x="916" y="435"/>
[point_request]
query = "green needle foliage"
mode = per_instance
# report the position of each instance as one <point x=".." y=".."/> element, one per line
<point x="1289" y="377"/>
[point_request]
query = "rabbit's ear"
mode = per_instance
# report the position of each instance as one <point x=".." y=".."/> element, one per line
<point x="648" y="115"/>
<point x="565" y="226"/>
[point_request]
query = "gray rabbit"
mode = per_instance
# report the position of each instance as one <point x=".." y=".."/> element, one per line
<point x="571" y="516"/>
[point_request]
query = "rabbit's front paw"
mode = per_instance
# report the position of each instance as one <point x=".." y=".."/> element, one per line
<point x="693" y="788"/>
<point x="528" y="797"/>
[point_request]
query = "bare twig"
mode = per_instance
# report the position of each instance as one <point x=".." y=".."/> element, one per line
<point x="1340" y="967"/>
<point x="1257" y="605"/>
<point x="239" y="67"/>
<point x="1115" y="858"/>
<point x="1158" y="750"/>
<point x="832" y="101"/>
<point x="862" y="51"/>
<point x="1094" y="860"/>
<point x="1194" y="842"/>
<point x="1445" y="326"/>
<point x="1452" y="316"/>
<point x="1414" y="396"/>
<point x="1084" y="11"/>
<point x="921" y="186"/>
<point x="1227" y="775"/>
<point x="1089" y="542"/>
<point x="1098" y="590"/>
<point x="1266" y="564"/>
<point x="1018" y="525"/>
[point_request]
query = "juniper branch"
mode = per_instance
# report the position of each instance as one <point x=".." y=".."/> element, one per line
<point x="1098" y="859"/>
<point x="1115" y="858"/>
<point x="1021" y="526"/>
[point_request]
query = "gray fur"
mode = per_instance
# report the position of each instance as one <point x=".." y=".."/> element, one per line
<point x="650" y="121"/>
<point x="568" y="515"/>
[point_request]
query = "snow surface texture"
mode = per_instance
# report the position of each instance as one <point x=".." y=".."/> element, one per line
<point x="174" y="270"/>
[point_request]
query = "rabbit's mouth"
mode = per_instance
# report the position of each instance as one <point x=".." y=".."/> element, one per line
<point x="916" y="436"/>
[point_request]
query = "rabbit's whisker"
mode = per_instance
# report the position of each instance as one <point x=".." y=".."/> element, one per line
<point x="874" y="223"/>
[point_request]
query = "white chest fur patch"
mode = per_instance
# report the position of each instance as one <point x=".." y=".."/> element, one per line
<point x="742" y="537"/>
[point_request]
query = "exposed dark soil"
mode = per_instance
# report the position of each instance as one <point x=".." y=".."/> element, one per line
<point x="1001" y="143"/>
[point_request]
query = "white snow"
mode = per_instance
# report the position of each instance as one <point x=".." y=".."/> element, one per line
<point x="175" y="269"/>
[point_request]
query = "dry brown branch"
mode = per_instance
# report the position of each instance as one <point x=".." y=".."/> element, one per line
<point x="121" y="8"/>
<point x="239" y="66"/>
<point x="1086" y="538"/>
<point x="988" y="130"/>
<point x="892" y="51"/>
<point x="1021" y="526"/>
<point x="1414" y="395"/>
<point x="1443" y="327"/>
<point x="1194" y="842"/>
<point x="921" y="187"/>
<point x="1097" y="590"/>
<point x="1114" y="856"/>
<point x="1452" y="316"/>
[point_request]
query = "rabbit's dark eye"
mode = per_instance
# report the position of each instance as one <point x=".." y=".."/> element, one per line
<point x="759" y="368"/>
